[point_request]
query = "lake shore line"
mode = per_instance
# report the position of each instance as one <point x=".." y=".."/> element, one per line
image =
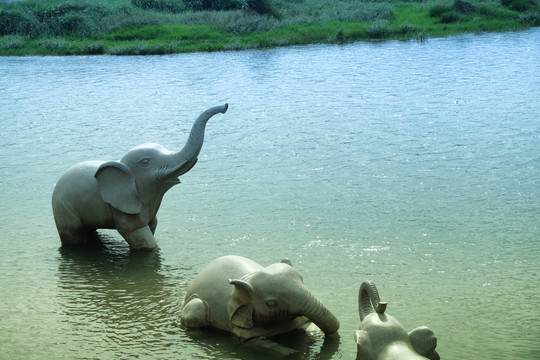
<point x="125" y="27"/>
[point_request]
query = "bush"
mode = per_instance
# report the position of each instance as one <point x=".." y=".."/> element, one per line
<point x="450" y="14"/>
<point x="406" y="29"/>
<point x="11" y="42"/>
<point x="48" y="14"/>
<point x="530" y="18"/>
<point x="449" y="17"/>
<point x="18" y="23"/>
<point x="93" y="49"/>
<point x="215" y="4"/>
<point x="174" y="6"/>
<point x="262" y="7"/>
<point x="520" y="5"/>
<point x="75" y="25"/>
<point x="249" y="24"/>
<point x="438" y="10"/>
<point x="463" y="7"/>
<point x="57" y="46"/>
<point x="377" y="31"/>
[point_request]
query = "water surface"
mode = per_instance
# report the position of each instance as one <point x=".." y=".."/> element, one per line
<point x="412" y="164"/>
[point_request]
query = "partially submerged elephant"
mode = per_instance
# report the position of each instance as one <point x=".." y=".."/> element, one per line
<point x="126" y="194"/>
<point x="381" y="337"/>
<point x="237" y="295"/>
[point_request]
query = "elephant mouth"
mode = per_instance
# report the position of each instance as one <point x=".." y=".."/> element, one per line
<point x="275" y="318"/>
<point x="173" y="181"/>
<point x="169" y="175"/>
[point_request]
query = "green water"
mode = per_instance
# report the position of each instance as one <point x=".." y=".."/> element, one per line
<point x="413" y="164"/>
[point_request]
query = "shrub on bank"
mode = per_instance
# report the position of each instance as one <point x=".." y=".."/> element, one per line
<point x="262" y="7"/>
<point x="11" y="42"/>
<point x="530" y="18"/>
<point x="218" y="5"/>
<point x="18" y="23"/>
<point x="74" y="24"/>
<point x="520" y="5"/>
<point x="451" y="13"/>
<point x="174" y="6"/>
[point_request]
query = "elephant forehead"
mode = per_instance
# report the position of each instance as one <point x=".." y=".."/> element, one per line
<point x="384" y="326"/>
<point x="276" y="274"/>
<point x="147" y="149"/>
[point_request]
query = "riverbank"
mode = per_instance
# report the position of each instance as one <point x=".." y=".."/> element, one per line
<point x="140" y="27"/>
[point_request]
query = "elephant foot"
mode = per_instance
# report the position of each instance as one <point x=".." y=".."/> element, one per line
<point x="141" y="239"/>
<point x="193" y="312"/>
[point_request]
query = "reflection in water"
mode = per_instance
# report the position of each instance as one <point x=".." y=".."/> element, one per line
<point x="219" y="345"/>
<point x="112" y="298"/>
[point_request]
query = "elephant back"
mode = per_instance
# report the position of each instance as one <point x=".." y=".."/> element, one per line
<point x="214" y="277"/>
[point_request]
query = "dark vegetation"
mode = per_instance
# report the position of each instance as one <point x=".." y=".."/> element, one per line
<point x="69" y="27"/>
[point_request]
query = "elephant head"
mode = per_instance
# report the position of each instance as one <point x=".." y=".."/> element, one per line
<point x="381" y="337"/>
<point x="276" y="296"/>
<point x="141" y="178"/>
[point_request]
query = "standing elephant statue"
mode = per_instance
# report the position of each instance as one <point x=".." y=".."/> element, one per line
<point x="237" y="295"/>
<point x="124" y="195"/>
<point x="381" y="337"/>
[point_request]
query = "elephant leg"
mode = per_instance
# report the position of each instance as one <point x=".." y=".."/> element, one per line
<point x="153" y="224"/>
<point x="73" y="235"/>
<point x="69" y="225"/>
<point x="71" y="230"/>
<point x="194" y="314"/>
<point x="140" y="239"/>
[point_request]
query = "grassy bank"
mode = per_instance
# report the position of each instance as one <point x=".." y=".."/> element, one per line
<point x="122" y="27"/>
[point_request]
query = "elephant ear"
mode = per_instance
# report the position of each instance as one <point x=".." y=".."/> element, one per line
<point x="117" y="187"/>
<point x="286" y="261"/>
<point x="364" y="349"/>
<point x="424" y="342"/>
<point x="239" y="306"/>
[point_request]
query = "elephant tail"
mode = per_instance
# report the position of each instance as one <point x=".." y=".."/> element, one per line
<point x="368" y="300"/>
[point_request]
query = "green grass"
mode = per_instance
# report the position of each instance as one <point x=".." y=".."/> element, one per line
<point x="70" y="27"/>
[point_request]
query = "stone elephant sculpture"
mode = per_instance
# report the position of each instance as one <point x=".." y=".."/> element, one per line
<point x="124" y="195"/>
<point x="381" y="337"/>
<point x="237" y="295"/>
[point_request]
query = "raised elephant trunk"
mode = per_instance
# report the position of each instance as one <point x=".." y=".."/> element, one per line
<point x="319" y="314"/>
<point x="369" y="301"/>
<point x="183" y="160"/>
<point x="193" y="146"/>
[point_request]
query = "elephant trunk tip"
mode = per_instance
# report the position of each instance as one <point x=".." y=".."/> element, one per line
<point x="225" y="107"/>
<point x="381" y="307"/>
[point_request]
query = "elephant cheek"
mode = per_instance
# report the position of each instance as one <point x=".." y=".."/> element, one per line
<point x="273" y="317"/>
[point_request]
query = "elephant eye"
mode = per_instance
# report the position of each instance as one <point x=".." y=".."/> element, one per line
<point x="144" y="161"/>
<point x="271" y="303"/>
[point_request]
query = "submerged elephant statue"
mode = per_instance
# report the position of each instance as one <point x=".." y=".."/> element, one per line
<point x="126" y="194"/>
<point x="237" y="295"/>
<point x="381" y="337"/>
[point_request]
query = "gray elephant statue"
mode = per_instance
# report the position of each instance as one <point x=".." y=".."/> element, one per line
<point x="237" y="295"/>
<point x="124" y="195"/>
<point x="381" y="337"/>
